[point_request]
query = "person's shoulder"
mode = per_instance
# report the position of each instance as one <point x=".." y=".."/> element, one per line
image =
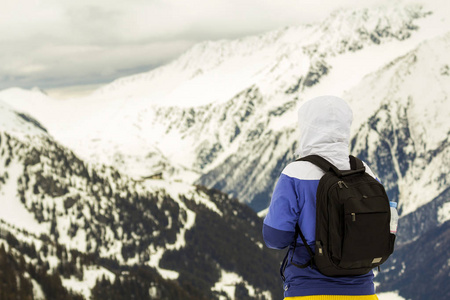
<point x="303" y="170"/>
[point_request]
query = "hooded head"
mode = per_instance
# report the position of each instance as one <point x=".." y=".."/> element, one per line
<point x="324" y="124"/>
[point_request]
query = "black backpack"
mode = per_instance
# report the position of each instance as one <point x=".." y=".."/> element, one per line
<point x="352" y="222"/>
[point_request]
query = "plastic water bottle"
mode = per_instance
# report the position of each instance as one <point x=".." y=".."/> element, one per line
<point x="394" y="217"/>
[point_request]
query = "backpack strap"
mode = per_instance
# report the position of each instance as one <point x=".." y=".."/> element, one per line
<point x="321" y="162"/>
<point x="298" y="232"/>
<point x="356" y="165"/>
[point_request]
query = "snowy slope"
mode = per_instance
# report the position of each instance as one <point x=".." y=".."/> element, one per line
<point x="22" y="125"/>
<point x="121" y="124"/>
<point x="407" y="142"/>
<point x="366" y="97"/>
<point x="52" y="199"/>
<point x="24" y="129"/>
<point x="224" y="115"/>
<point x="412" y="119"/>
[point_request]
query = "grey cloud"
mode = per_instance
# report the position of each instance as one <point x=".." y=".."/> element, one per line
<point x="77" y="42"/>
<point x="58" y="65"/>
<point x="94" y="24"/>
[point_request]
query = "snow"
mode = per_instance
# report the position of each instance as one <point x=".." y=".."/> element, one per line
<point x="153" y="292"/>
<point x="156" y="253"/>
<point x="28" y="101"/>
<point x="121" y="123"/>
<point x="113" y="125"/>
<point x="399" y="86"/>
<point x="155" y="258"/>
<point x="53" y="262"/>
<point x="38" y="294"/>
<point x="444" y="213"/>
<point x="175" y="189"/>
<point x="201" y="198"/>
<point x="90" y="275"/>
<point x="228" y="282"/>
<point x="216" y="86"/>
<point x="357" y="66"/>
<point x="390" y="296"/>
<point x="263" y="213"/>
<point x="260" y="245"/>
<point x="13" y="210"/>
<point x="5" y="244"/>
<point x="11" y="123"/>
<point x="63" y="223"/>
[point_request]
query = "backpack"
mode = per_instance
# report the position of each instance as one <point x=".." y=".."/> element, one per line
<point x="352" y="222"/>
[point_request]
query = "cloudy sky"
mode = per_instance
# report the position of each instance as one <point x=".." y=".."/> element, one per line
<point x="54" y="43"/>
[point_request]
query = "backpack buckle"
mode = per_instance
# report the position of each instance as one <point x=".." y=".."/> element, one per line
<point x="319" y="248"/>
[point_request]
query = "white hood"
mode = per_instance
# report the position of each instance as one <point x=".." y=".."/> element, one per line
<point x="324" y="124"/>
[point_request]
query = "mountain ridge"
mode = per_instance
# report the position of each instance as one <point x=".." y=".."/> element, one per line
<point x="121" y="225"/>
<point x="237" y="142"/>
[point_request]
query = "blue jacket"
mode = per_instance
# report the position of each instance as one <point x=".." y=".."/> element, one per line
<point x="294" y="201"/>
<point x="324" y="124"/>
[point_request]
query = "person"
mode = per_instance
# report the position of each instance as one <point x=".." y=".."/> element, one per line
<point x="324" y="124"/>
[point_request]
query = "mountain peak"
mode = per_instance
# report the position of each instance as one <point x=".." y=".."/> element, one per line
<point x="350" y="30"/>
<point x="343" y="31"/>
<point x="19" y="124"/>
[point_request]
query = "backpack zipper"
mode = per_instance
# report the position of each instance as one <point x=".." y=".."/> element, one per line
<point x="342" y="184"/>
<point x="353" y="214"/>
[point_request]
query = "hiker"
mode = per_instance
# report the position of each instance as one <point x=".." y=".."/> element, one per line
<point x="324" y="124"/>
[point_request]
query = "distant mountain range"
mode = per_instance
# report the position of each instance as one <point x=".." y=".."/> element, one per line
<point x="82" y="172"/>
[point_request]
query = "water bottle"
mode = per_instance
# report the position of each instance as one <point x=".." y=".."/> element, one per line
<point x="394" y="217"/>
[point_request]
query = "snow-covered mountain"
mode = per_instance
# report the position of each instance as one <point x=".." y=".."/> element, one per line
<point x="410" y="129"/>
<point x="223" y="115"/>
<point x="407" y="141"/>
<point x="191" y="117"/>
<point x="92" y="230"/>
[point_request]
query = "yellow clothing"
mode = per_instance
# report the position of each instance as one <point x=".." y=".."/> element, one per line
<point x="333" y="297"/>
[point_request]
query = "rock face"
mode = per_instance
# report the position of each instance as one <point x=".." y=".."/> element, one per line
<point x="406" y="140"/>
